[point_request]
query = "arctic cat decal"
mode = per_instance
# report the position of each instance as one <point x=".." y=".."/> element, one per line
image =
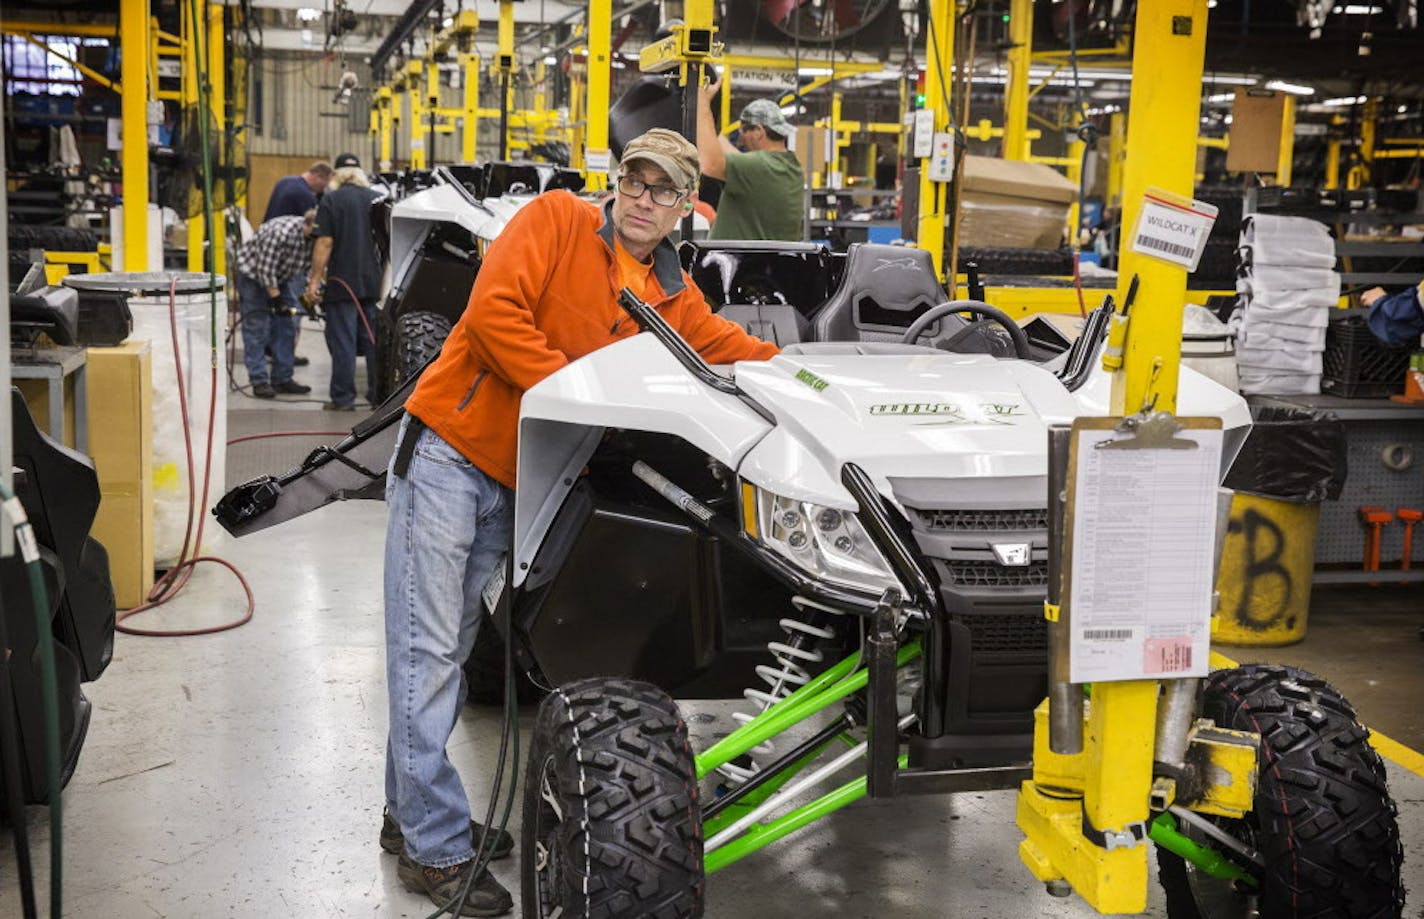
<point x="918" y="408"/>
<point x="811" y="380"/>
<point x="898" y="264"/>
<point x="1003" y="413"/>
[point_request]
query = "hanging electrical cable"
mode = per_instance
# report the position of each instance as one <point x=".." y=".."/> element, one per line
<point x="49" y="691"/>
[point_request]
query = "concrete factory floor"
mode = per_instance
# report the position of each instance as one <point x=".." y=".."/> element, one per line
<point x="240" y="774"/>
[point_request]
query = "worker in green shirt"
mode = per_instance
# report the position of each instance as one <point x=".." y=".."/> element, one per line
<point x="765" y="193"/>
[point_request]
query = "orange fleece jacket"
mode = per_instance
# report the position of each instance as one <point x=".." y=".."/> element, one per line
<point x="547" y="295"/>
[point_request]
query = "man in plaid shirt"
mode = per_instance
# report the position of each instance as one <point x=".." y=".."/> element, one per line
<point x="277" y="253"/>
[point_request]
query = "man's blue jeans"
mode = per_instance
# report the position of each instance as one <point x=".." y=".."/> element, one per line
<point x="449" y="525"/>
<point x="261" y="331"/>
<point x="346" y="337"/>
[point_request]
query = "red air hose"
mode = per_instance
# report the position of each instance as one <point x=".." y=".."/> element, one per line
<point x="173" y="581"/>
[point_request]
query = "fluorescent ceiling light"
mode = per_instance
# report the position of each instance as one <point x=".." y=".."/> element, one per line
<point x="1229" y="79"/>
<point x="1343" y="100"/>
<point x="1221" y="97"/>
<point x="1358" y="9"/>
<point x="308" y="14"/>
<point x="551" y="60"/>
<point x="814" y="71"/>
<point x="1295" y="89"/>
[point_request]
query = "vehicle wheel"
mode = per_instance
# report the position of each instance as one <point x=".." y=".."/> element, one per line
<point x="1323" y="820"/>
<point x="611" y="817"/>
<point x="484" y="672"/>
<point x="419" y="337"/>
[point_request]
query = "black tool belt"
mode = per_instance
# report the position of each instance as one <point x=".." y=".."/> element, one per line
<point x="406" y="448"/>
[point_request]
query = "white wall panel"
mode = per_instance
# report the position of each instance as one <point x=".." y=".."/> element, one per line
<point x="298" y="115"/>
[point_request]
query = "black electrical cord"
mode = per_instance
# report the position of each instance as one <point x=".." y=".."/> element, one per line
<point x="49" y="690"/>
<point x="508" y="741"/>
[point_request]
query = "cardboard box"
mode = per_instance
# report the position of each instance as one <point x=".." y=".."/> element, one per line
<point x="812" y="147"/>
<point x="121" y="444"/>
<point x="1011" y="204"/>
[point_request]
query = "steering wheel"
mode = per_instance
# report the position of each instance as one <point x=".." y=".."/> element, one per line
<point x="975" y="307"/>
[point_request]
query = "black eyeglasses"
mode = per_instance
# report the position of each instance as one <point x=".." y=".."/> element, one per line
<point x="664" y="195"/>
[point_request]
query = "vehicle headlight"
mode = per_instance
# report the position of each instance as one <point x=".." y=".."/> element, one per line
<point x="825" y="542"/>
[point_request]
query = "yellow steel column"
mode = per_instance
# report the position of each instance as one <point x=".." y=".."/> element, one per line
<point x="383" y="128"/>
<point x="600" y="50"/>
<point x="837" y="177"/>
<point x="1117" y="153"/>
<point x="724" y="99"/>
<point x="470" y="127"/>
<point x="1168" y="52"/>
<point x="1016" y="93"/>
<point x="1332" y="154"/>
<point x="215" y="65"/>
<point x="190" y="72"/>
<point x="432" y="102"/>
<point x="1287" y="148"/>
<point x="1162" y="140"/>
<point x="133" y="107"/>
<point x="1075" y="175"/>
<point x="939" y="68"/>
<point x="413" y="72"/>
<point x="1363" y="171"/>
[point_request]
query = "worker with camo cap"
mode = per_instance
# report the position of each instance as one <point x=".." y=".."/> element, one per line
<point x="547" y="294"/>
<point x="764" y="197"/>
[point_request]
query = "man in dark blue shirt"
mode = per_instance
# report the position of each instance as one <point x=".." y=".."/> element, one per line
<point x="345" y="255"/>
<point x="293" y="196"/>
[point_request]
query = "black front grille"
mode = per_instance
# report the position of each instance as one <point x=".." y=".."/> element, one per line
<point x="981" y="521"/>
<point x="1002" y="638"/>
<point x="973" y="573"/>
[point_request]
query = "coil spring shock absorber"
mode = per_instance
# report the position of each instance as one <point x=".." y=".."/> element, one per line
<point x="789" y="673"/>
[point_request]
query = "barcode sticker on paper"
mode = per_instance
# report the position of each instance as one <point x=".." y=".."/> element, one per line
<point x="1167" y="655"/>
<point x="1107" y="634"/>
<point x="1172" y="228"/>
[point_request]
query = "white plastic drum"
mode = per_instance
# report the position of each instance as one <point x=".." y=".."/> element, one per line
<point x="195" y="306"/>
<point x="1208" y="346"/>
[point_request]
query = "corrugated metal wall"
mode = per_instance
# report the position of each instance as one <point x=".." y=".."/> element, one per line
<point x="296" y="114"/>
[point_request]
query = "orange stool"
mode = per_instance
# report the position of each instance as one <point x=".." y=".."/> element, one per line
<point x="1408" y="516"/>
<point x="1375" y="518"/>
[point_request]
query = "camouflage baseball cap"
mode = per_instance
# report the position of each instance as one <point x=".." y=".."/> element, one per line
<point x="669" y="151"/>
<point x="768" y="114"/>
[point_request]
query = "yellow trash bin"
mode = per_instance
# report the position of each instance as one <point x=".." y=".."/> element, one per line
<point x="1267" y="564"/>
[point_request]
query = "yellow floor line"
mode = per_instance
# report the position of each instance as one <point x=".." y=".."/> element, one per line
<point x="1387" y="747"/>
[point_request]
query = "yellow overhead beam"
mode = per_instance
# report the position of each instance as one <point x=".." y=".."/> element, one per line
<point x="769" y="62"/>
<point x="114" y="31"/>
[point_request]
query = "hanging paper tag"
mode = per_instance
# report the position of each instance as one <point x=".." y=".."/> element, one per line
<point x="1172" y="228"/>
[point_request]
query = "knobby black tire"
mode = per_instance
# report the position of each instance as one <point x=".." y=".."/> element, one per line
<point x="1323" y="819"/>
<point x="419" y="337"/>
<point x="629" y="844"/>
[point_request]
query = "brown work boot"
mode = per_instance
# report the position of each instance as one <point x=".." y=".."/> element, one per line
<point x="393" y="841"/>
<point x="484" y="896"/>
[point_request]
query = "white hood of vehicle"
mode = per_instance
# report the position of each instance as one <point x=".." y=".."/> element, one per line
<point x="901" y="416"/>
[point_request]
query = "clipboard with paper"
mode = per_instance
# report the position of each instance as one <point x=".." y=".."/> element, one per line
<point x="1139" y="546"/>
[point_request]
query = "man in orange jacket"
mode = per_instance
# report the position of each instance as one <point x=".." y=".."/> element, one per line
<point x="545" y="295"/>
